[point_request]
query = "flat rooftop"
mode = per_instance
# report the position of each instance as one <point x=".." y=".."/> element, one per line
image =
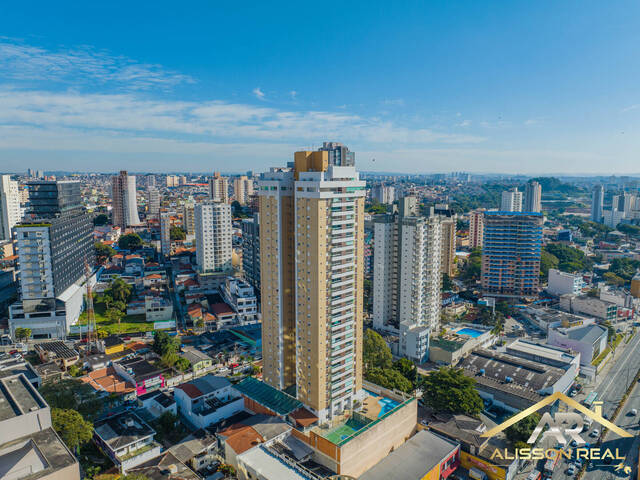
<point x="507" y="368"/>
<point x="543" y="351"/>
<point x="17" y="397"/>
<point x="43" y="453"/>
<point x="414" y="458"/>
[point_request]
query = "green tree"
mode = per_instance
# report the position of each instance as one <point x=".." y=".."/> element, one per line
<point x="22" y="333"/>
<point x="628" y="229"/>
<point x="75" y="371"/>
<point x="119" y="290"/>
<point x="114" y="315"/>
<point x="177" y="233"/>
<point x="450" y="390"/>
<point x="388" y="378"/>
<point x="569" y="259"/>
<point x="547" y="262"/>
<point x="625" y="268"/>
<point x="182" y="364"/>
<point x="472" y="267"/>
<point x="406" y="368"/>
<point x="73" y="394"/>
<point x="166" y="423"/>
<point x="163" y="343"/>
<point x="103" y="252"/>
<point x="72" y="428"/>
<point x="169" y="359"/>
<point x="228" y="470"/>
<point x="376" y="352"/>
<point x="100" y="220"/>
<point x="376" y="208"/>
<point x="130" y="241"/>
<point x="613" y="279"/>
<point x="521" y="431"/>
<point x="447" y="284"/>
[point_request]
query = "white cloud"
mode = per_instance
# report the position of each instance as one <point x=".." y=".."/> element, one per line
<point x="82" y="65"/>
<point x="464" y="123"/>
<point x="395" y="102"/>
<point x="631" y="107"/>
<point x="258" y="93"/>
<point x="293" y="94"/>
<point x="131" y="114"/>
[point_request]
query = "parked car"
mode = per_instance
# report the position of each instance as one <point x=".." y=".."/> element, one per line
<point x="633" y="412"/>
<point x="571" y="470"/>
<point x="594" y="433"/>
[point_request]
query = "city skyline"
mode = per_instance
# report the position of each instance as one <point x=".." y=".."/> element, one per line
<point x="527" y="98"/>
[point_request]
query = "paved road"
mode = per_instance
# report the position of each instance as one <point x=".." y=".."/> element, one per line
<point x="611" y="385"/>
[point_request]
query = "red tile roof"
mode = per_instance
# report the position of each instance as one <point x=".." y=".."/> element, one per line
<point x="191" y="390"/>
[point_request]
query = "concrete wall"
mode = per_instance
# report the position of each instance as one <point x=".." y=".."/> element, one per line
<point x="365" y="450"/>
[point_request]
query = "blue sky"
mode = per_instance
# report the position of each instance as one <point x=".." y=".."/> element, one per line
<point x="419" y="86"/>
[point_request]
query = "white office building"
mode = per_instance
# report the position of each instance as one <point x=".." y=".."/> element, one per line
<point x="383" y="194"/>
<point x="153" y="202"/>
<point x="9" y="206"/>
<point x="213" y="236"/>
<point x="561" y="283"/>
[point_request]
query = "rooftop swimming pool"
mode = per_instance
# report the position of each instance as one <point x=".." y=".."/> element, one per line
<point x="386" y="404"/>
<point x="470" y="332"/>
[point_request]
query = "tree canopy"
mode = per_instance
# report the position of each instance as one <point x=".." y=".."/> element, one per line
<point x="72" y="428"/>
<point x="473" y="266"/>
<point x="376" y="352"/>
<point x="101" y="219"/>
<point x="119" y="291"/>
<point x="569" y="259"/>
<point x="164" y="344"/>
<point x="73" y="394"/>
<point x="22" y="333"/>
<point x="450" y="390"/>
<point x="103" y="252"/>
<point x="521" y="431"/>
<point x="624" y="268"/>
<point x="388" y="378"/>
<point x="130" y="241"/>
<point x="177" y="233"/>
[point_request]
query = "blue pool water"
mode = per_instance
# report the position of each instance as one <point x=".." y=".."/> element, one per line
<point x="385" y="403"/>
<point x="470" y="332"/>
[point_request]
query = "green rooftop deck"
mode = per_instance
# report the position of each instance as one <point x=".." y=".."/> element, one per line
<point x="267" y="396"/>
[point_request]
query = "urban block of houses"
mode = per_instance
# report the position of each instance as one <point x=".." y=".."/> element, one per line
<point x="157" y="403"/>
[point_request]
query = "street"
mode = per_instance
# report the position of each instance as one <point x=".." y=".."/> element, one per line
<point x="610" y="385"/>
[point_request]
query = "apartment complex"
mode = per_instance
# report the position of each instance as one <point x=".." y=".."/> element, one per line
<point x="219" y="188"/>
<point x="311" y="235"/>
<point x="383" y="194"/>
<point x="251" y="250"/>
<point x="213" y="236"/>
<point x="448" y="250"/>
<point x="242" y="189"/>
<point x="125" y="203"/>
<point x="597" y="203"/>
<point x="9" y="206"/>
<point x="54" y="241"/>
<point x="511" y="253"/>
<point x="533" y="197"/>
<point x="153" y="202"/>
<point x="338" y="154"/>
<point x="511" y="201"/>
<point x="476" y="228"/>
<point x="188" y="219"/>
<point x="165" y="234"/>
<point x="561" y="283"/>
<point x="407" y="276"/>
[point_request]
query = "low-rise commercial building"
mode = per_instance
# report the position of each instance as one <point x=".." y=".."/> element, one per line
<point x="591" y="306"/>
<point x="424" y="456"/>
<point x="587" y="338"/>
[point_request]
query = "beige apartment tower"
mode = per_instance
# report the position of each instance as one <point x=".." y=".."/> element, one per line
<point x="311" y="240"/>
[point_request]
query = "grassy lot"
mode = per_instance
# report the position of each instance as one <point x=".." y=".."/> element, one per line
<point x="128" y="324"/>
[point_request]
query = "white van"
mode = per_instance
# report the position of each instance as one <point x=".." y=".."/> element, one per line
<point x="477" y="474"/>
